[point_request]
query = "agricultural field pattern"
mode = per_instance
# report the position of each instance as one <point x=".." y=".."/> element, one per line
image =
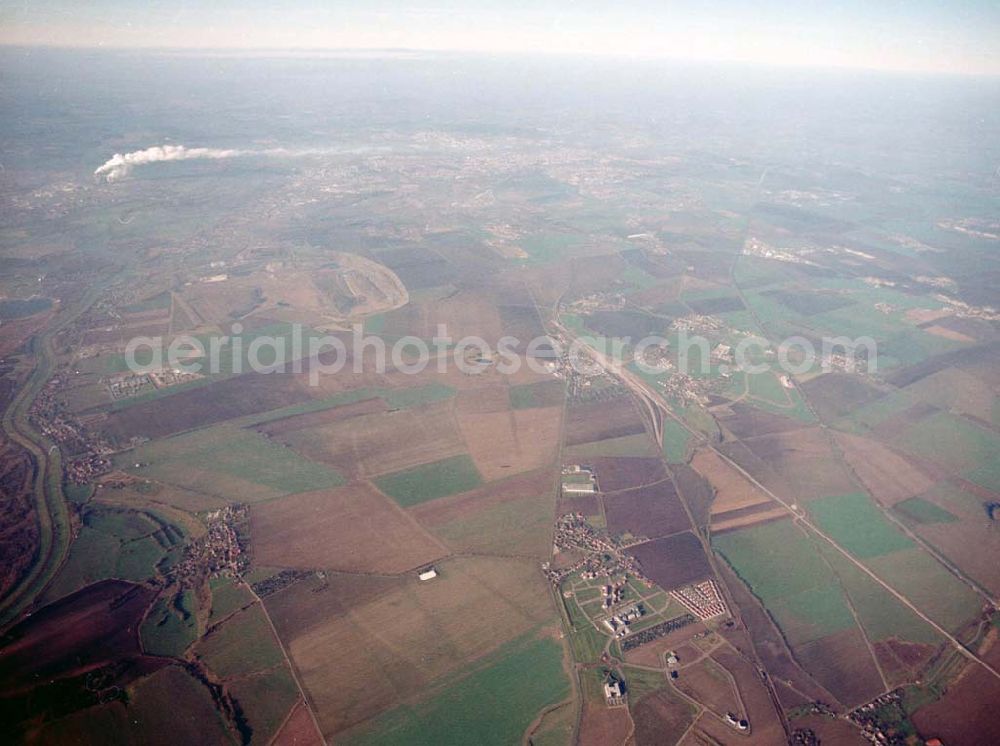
<point x="556" y="543"/>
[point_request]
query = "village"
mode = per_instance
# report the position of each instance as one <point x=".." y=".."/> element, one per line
<point x="223" y="550"/>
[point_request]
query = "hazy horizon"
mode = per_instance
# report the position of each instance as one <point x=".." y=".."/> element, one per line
<point x="915" y="37"/>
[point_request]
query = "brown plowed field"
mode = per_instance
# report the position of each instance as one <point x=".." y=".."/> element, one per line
<point x="696" y="491"/>
<point x="888" y="476"/>
<point x="747" y="517"/>
<point x="764" y="722"/>
<point x="805" y="459"/>
<point x="601" y="725"/>
<point x="966" y="714"/>
<point x="84" y="630"/>
<point x="747" y="422"/>
<point x="842" y="663"/>
<point x="972" y="543"/>
<point x="594" y="421"/>
<point x="623" y="472"/>
<point x="503" y="441"/>
<point x="650" y="511"/>
<point x="198" y="407"/>
<point x="708" y="683"/>
<point x="660" y="718"/>
<point x="674" y="561"/>
<point x="353" y="529"/>
<point x="298" y="730"/>
<point x="382" y="443"/>
<point x="313" y="601"/>
<point x="732" y="490"/>
<point x="466" y="314"/>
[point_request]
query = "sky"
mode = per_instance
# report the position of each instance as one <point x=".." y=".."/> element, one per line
<point x="951" y="36"/>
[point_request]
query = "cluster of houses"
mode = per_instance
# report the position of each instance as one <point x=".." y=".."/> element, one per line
<point x="603" y="556"/>
<point x="871" y="719"/>
<point x="221" y="551"/>
<point x="89" y="454"/>
<point x="701" y="599"/>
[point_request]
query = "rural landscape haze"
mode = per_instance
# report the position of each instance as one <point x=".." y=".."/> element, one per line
<point x="426" y="397"/>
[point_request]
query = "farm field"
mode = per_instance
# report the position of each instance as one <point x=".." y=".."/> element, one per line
<point x="353" y="528"/>
<point x="379" y="443"/>
<point x="673" y="561"/>
<point x="640" y="445"/>
<point x="503" y="441"/>
<point x="676" y="441"/>
<point x="599" y="421"/>
<point x="733" y="491"/>
<point x="427" y="631"/>
<point x="224" y="461"/>
<point x="710" y="684"/>
<point x="508" y="516"/>
<point x="242" y="644"/>
<point x="780" y="565"/>
<point x="156" y="701"/>
<point x="855" y="523"/>
<point x="801" y="464"/>
<point x="934" y="590"/>
<point x="651" y="511"/>
<point x="962" y="714"/>
<point x="431" y="481"/>
<point x="887" y="475"/>
<point x="396" y="538"/>
<point x="492" y="704"/>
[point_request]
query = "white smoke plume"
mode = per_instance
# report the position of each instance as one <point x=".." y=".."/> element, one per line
<point x="119" y="166"/>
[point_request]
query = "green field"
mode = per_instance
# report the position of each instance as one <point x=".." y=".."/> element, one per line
<point x="533" y="395"/>
<point x="266" y="700"/>
<point x="171" y="701"/>
<point x="520" y="525"/>
<point x="114" y="543"/>
<point x="781" y="566"/>
<point x="493" y="704"/>
<point x="881" y="614"/>
<point x="230" y="462"/>
<point x="417" y="396"/>
<point x="171" y="625"/>
<point x="766" y="387"/>
<point x="431" y="481"/>
<point x="585" y="641"/>
<point x="876" y="412"/>
<point x="227" y="597"/>
<point x="402" y="398"/>
<point x="953" y="442"/>
<point x="931" y="588"/>
<point x="857" y="525"/>
<point x="627" y="445"/>
<point x="917" y="510"/>
<point x="675" y="441"/>
<point x="243" y="644"/>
